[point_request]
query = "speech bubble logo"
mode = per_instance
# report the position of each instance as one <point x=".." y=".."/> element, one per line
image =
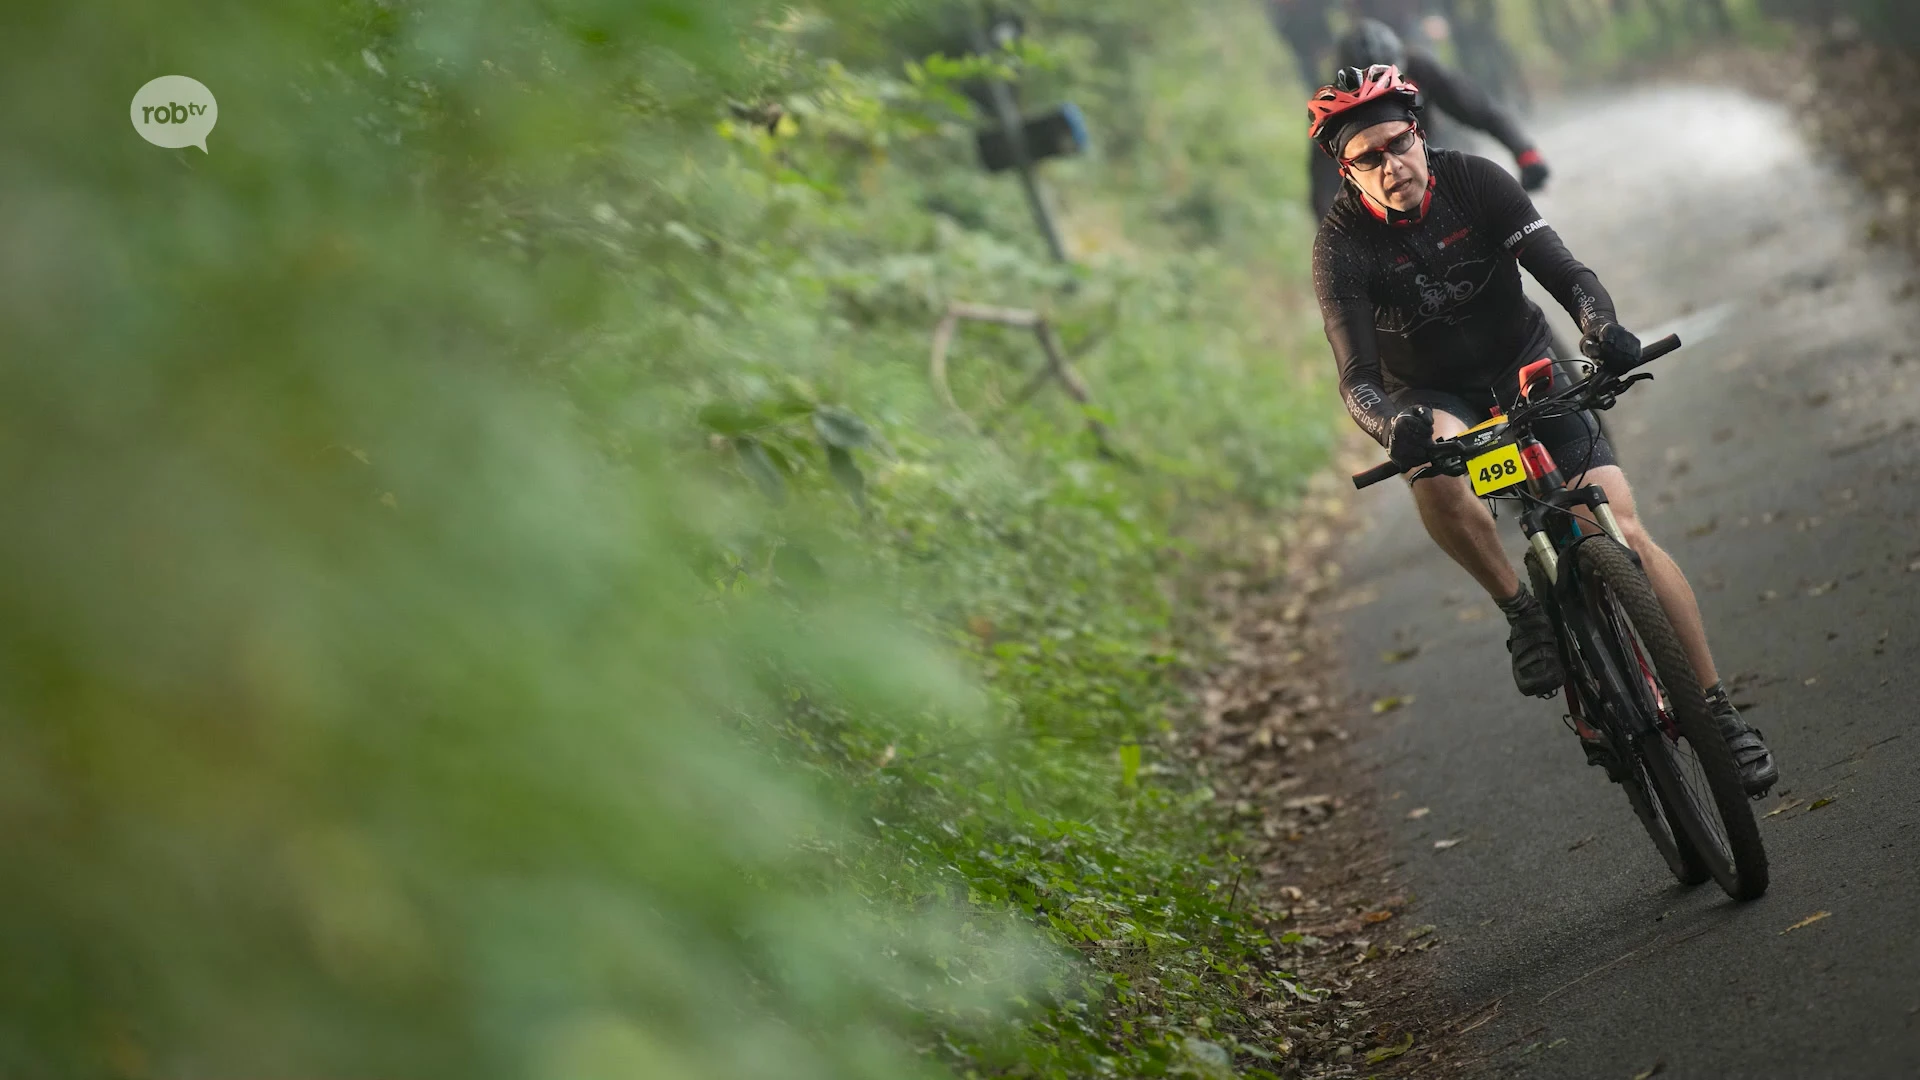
<point x="174" y="111"/>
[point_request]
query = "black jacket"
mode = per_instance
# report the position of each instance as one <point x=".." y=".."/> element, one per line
<point x="1438" y="304"/>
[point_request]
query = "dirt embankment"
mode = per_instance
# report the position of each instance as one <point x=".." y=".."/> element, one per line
<point x="1861" y="100"/>
<point x="1273" y="741"/>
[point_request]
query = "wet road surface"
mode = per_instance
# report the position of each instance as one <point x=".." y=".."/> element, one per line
<point x="1777" y="457"/>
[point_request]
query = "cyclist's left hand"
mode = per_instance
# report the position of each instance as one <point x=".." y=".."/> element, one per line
<point x="1533" y="171"/>
<point x="1613" y="346"/>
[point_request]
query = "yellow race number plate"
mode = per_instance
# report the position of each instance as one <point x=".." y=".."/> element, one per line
<point x="1496" y="471"/>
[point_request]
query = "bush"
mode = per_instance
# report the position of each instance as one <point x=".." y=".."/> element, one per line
<point x="494" y="594"/>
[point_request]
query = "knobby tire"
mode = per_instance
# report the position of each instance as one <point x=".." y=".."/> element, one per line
<point x="1672" y="844"/>
<point x="1740" y="866"/>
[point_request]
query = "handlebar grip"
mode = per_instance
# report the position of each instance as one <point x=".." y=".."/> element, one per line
<point x="1655" y="351"/>
<point x="1659" y="348"/>
<point x="1386" y="470"/>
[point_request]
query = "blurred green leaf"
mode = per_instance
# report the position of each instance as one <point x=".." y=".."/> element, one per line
<point x="840" y="429"/>
<point x="757" y="462"/>
<point x="847" y="473"/>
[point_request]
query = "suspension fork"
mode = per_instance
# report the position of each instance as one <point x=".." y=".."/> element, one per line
<point x="1550" y="488"/>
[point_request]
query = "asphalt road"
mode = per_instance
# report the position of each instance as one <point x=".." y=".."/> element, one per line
<point x="1777" y="458"/>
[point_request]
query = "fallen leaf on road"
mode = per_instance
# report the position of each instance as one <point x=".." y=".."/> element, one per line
<point x="1400" y="656"/>
<point x="1824" y="800"/>
<point x="1809" y="680"/>
<point x="1769" y="595"/>
<point x="1387" y="1053"/>
<point x="1473" y="614"/>
<point x="1823" y="588"/>
<point x="1914" y="567"/>
<point x="1706" y="529"/>
<point x="1376" y="916"/>
<point x="1388" y="704"/>
<point x="1418" y="932"/>
<point x="1442" y="845"/>
<point x="1580" y="843"/>
<point x="1651" y="1071"/>
<point x="1808" y="921"/>
<point x="1782" y="808"/>
<point x="1418" y="813"/>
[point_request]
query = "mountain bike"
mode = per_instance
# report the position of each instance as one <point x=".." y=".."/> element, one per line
<point x="1630" y="690"/>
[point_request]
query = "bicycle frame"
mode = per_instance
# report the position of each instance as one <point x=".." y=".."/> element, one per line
<point x="1553" y="530"/>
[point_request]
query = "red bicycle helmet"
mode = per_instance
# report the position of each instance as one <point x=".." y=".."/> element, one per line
<point x="1351" y="88"/>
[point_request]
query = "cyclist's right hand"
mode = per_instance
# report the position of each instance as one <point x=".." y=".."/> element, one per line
<point x="1410" y="438"/>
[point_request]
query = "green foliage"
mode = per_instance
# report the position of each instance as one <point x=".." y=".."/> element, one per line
<point x="1564" y="40"/>
<point x="1888" y="21"/>
<point x="494" y="594"/>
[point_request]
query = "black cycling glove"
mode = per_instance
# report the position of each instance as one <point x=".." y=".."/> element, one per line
<point x="1410" y="438"/>
<point x="1533" y="170"/>
<point x="1612" y="345"/>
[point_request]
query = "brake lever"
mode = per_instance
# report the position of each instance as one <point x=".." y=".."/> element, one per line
<point x="1609" y="396"/>
<point x="1451" y="462"/>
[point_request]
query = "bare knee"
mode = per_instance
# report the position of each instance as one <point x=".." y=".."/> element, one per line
<point x="1635" y="534"/>
<point x="1449" y="497"/>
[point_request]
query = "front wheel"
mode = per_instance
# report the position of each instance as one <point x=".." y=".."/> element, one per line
<point x="1677" y="740"/>
<point x="1586" y="689"/>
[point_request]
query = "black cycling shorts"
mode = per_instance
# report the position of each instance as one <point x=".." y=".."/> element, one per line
<point x="1576" y="442"/>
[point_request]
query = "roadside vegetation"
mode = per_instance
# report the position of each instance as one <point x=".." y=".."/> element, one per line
<point x="495" y="593"/>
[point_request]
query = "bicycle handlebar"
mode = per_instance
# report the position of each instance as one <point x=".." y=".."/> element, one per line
<point x="1652" y="352"/>
<point x="1387" y="470"/>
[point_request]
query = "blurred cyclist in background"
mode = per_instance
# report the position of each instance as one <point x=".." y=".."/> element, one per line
<point x="1371" y="42"/>
<point x="1305" y="27"/>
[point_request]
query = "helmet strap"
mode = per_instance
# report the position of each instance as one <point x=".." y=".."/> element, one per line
<point x="1387" y="214"/>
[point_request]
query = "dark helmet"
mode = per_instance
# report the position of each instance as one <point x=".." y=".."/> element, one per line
<point x="1370" y="42"/>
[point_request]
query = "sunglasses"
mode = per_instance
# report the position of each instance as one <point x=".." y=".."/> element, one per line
<point x="1377" y="157"/>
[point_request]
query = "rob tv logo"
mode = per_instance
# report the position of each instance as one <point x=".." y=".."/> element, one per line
<point x="175" y="111"/>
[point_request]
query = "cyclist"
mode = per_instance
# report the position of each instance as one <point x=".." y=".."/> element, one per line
<point x="1369" y="42"/>
<point x="1417" y="271"/>
<point x="1303" y="25"/>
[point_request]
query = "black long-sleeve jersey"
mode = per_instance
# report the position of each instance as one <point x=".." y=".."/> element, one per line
<point x="1438" y="304"/>
<point x="1455" y="95"/>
